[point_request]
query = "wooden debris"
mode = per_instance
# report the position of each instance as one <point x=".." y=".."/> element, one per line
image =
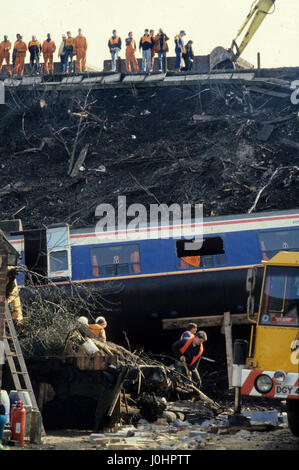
<point x="80" y="161"/>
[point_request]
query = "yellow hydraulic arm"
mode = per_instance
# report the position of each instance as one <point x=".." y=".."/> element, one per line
<point x="221" y="57"/>
<point x="259" y="10"/>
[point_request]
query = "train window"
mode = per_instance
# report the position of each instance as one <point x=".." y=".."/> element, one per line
<point x="281" y="297"/>
<point x="58" y="261"/>
<point x="209" y="254"/>
<point x="274" y="241"/>
<point x="115" y="260"/>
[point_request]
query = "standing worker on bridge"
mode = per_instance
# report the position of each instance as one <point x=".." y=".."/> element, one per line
<point x="48" y="49"/>
<point x="146" y="44"/>
<point x="5" y="47"/>
<point x="114" y="45"/>
<point x="130" y="53"/>
<point x="80" y="48"/>
<point x="69" y="51"/>
<point x="179" y="47"/>
<point x="21" y="48"/>
<point x="188" y="353"/>
<point x="34" y="48"/>
<point x="188" y="56"/>
<point x="161" y="47"/>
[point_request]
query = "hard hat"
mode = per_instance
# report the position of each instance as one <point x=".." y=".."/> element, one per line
<point x="101" y="320"/>
<point x="83" y="320"/>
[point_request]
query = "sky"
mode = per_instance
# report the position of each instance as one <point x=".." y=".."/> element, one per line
<point x="208" y="23"/>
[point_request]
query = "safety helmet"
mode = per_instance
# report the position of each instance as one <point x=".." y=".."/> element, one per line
<point x="83" y="320"/>
<point x="101" y="321"/>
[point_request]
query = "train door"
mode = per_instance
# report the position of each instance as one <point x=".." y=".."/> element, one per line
<point x="58" y="252"/>
<point x="35" y="256"/>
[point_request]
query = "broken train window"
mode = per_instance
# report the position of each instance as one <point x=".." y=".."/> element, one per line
<point x="115" y="260"/>
<point x="210" y="253"/>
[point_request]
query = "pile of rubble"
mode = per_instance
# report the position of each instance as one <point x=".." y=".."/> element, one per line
<point x="231" y="147"/>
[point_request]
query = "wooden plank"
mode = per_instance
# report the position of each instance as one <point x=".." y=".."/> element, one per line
<point x="211" y="320"/>
<point x="229" y="346"/>
<point x="264" y="91"/>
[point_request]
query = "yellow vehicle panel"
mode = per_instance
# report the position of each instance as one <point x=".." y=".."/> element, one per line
<point x="274" y="348"/>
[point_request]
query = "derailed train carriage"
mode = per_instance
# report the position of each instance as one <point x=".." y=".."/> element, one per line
<point x="150" y="278"/>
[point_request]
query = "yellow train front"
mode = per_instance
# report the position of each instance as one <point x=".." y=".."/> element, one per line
<point x="272" y="365"/>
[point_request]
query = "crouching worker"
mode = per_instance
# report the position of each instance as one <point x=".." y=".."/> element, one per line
<point x="188" y="353"/>
<point x="98" y="328"/>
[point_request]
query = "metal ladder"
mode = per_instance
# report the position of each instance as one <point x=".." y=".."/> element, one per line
<point x="16" y="360"/>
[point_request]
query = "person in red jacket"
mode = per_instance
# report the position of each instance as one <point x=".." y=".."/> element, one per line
<point x="189" y="351"/>
<point x="48" y="49"/>
<point x="5" y="47"/>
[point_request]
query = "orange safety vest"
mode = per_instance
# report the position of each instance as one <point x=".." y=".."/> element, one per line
<point x="113" y="40"/>
<point x="146" y="39"/>
<point x="34" y="43"/>
<point x="95" y="328"/>
<point x="186" y="346"/>
<point x="69" y="42"/>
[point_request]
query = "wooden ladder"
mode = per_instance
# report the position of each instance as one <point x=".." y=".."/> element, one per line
<point x="17" y="365"/>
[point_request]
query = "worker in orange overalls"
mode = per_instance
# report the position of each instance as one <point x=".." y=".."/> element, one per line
<point x="5" y="47"/>
<point x="48" y="49"/>
<point x="130" y="53"/>
<point x="21" y="48"/>
<point x="80" y="48"/>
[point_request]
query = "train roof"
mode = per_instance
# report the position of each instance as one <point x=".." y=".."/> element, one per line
<point x="220" y="218"/>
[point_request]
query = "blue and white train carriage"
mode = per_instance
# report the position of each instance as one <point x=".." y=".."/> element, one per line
<point x="158" y="277"/>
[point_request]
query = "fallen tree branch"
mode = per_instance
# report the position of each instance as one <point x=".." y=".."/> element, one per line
<point x="253" y="207"/>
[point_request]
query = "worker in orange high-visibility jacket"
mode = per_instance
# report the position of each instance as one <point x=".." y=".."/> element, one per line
<point x="188" y="352"/>
<point x="69" y="51"/>
<point x="98" y="328"/>
<point x="48" y="49"/>
<point x="146" y="44"/>
<point x="21" y="48"/>
<point x="34" y="49"/>
<point x="114" y="45"/>
<point x="190" y="331"/>
<point x="5" y="47"/>
<point x="80" y="48"/>
<point x="130" y="53"/>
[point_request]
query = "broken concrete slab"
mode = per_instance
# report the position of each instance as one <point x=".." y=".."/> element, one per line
<point x="31" y="80"/>
<point x="133" y="78"/>
<point x="155" y="77"/>
<point x="12" y="82"/>
<point x="71" y="80"/>
<point x="92" y="80"/>
<point x="113" y="78"/>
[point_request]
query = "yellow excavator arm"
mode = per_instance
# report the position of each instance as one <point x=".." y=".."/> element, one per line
<point x="259" y="10"/>
<point x="222" y="58"/>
